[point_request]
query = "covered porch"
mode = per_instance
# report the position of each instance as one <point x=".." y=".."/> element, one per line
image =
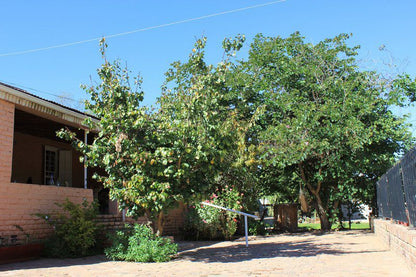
<point x="37" y="169"/>
<point x="40" y="157"/>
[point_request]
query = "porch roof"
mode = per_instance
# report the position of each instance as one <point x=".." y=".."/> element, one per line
<point x="46" y="108"/>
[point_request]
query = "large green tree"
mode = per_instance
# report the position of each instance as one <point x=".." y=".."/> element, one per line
<point x="154" y="158"/>
<point x="326" y="125"/>
<point x="126" y="145"/>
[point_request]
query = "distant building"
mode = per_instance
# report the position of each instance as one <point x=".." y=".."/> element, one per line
<point x="360" y="212"/>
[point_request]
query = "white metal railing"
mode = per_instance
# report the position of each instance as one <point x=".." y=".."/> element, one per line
<point x="238" y="212"/>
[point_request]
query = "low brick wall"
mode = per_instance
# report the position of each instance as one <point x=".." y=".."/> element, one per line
<point x="173" y="221"/>
<point x="109" y="222"/>
<point x="401" y="239"/>
<point x="20" y="202"/>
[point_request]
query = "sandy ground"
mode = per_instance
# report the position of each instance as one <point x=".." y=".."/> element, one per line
<point x="351" y="253"/>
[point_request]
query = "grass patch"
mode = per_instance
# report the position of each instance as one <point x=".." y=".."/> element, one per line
<point x="357" y="225"/>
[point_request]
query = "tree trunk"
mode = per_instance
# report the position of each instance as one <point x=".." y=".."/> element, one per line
<point x="349" y="214"/>
<point x="159" y="224"/>
<point x="325" y="225"/>
<point x="337" y="206"/>
<point x="156" y="223"/>
<point x="323" y="216"/>
<point x="340" y="216"/>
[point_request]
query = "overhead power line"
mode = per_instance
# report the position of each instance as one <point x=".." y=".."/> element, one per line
<point x="140" y="30"/>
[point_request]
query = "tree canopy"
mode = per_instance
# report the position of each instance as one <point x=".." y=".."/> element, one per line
<point x="327" y="125"/>
<point x="293" y="115"/>
<point x="155" y="158"/>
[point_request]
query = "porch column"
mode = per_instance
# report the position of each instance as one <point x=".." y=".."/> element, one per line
<point x="6" y="141"/>
<point x="85" y="160"/>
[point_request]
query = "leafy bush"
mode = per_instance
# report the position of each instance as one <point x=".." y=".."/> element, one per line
<point x="138" y="243"/>
<point x="75" y="230"/>
<point x="196" y="229"/>
<point x="212" y="223"/>
<point x="256" y="227"/>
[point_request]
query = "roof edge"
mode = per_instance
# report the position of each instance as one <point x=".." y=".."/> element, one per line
<point x="23" y="98"/>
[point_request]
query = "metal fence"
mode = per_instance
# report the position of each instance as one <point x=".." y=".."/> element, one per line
<point x="396" y="191"/>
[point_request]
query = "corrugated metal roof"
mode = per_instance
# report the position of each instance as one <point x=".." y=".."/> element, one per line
<point x="49" y="101"/>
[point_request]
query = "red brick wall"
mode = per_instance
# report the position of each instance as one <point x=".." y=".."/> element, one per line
<point x="400" y="239"/>
<point x="174" y="221"/>
<point x="20" y="202"/>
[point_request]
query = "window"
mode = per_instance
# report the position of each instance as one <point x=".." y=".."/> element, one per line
<point x="57" y="167"/>
<point x="51" y="165"/>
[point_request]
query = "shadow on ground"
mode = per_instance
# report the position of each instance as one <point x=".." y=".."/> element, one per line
<point x="214" y="251"/>
<point x="239" y="253"/>
<point x="48" y="263"/>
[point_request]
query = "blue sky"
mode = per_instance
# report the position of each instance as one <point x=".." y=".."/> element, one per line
<point x="26" y="25"/>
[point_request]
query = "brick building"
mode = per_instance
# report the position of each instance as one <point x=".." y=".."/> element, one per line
<point x="37" y="169"/>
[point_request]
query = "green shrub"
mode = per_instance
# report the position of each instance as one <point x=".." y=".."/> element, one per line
<point x="206" y="222"/>
<point x="195" y="228"/>
<point x="138" y="243"/>
<point x="256" y="227"/>
<point x="75" y="230"/>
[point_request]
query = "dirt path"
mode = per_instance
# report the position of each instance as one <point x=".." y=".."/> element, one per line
<point x="352" y="253"/>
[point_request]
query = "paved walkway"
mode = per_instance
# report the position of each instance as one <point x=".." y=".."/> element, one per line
<point x="352" y="253"/>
